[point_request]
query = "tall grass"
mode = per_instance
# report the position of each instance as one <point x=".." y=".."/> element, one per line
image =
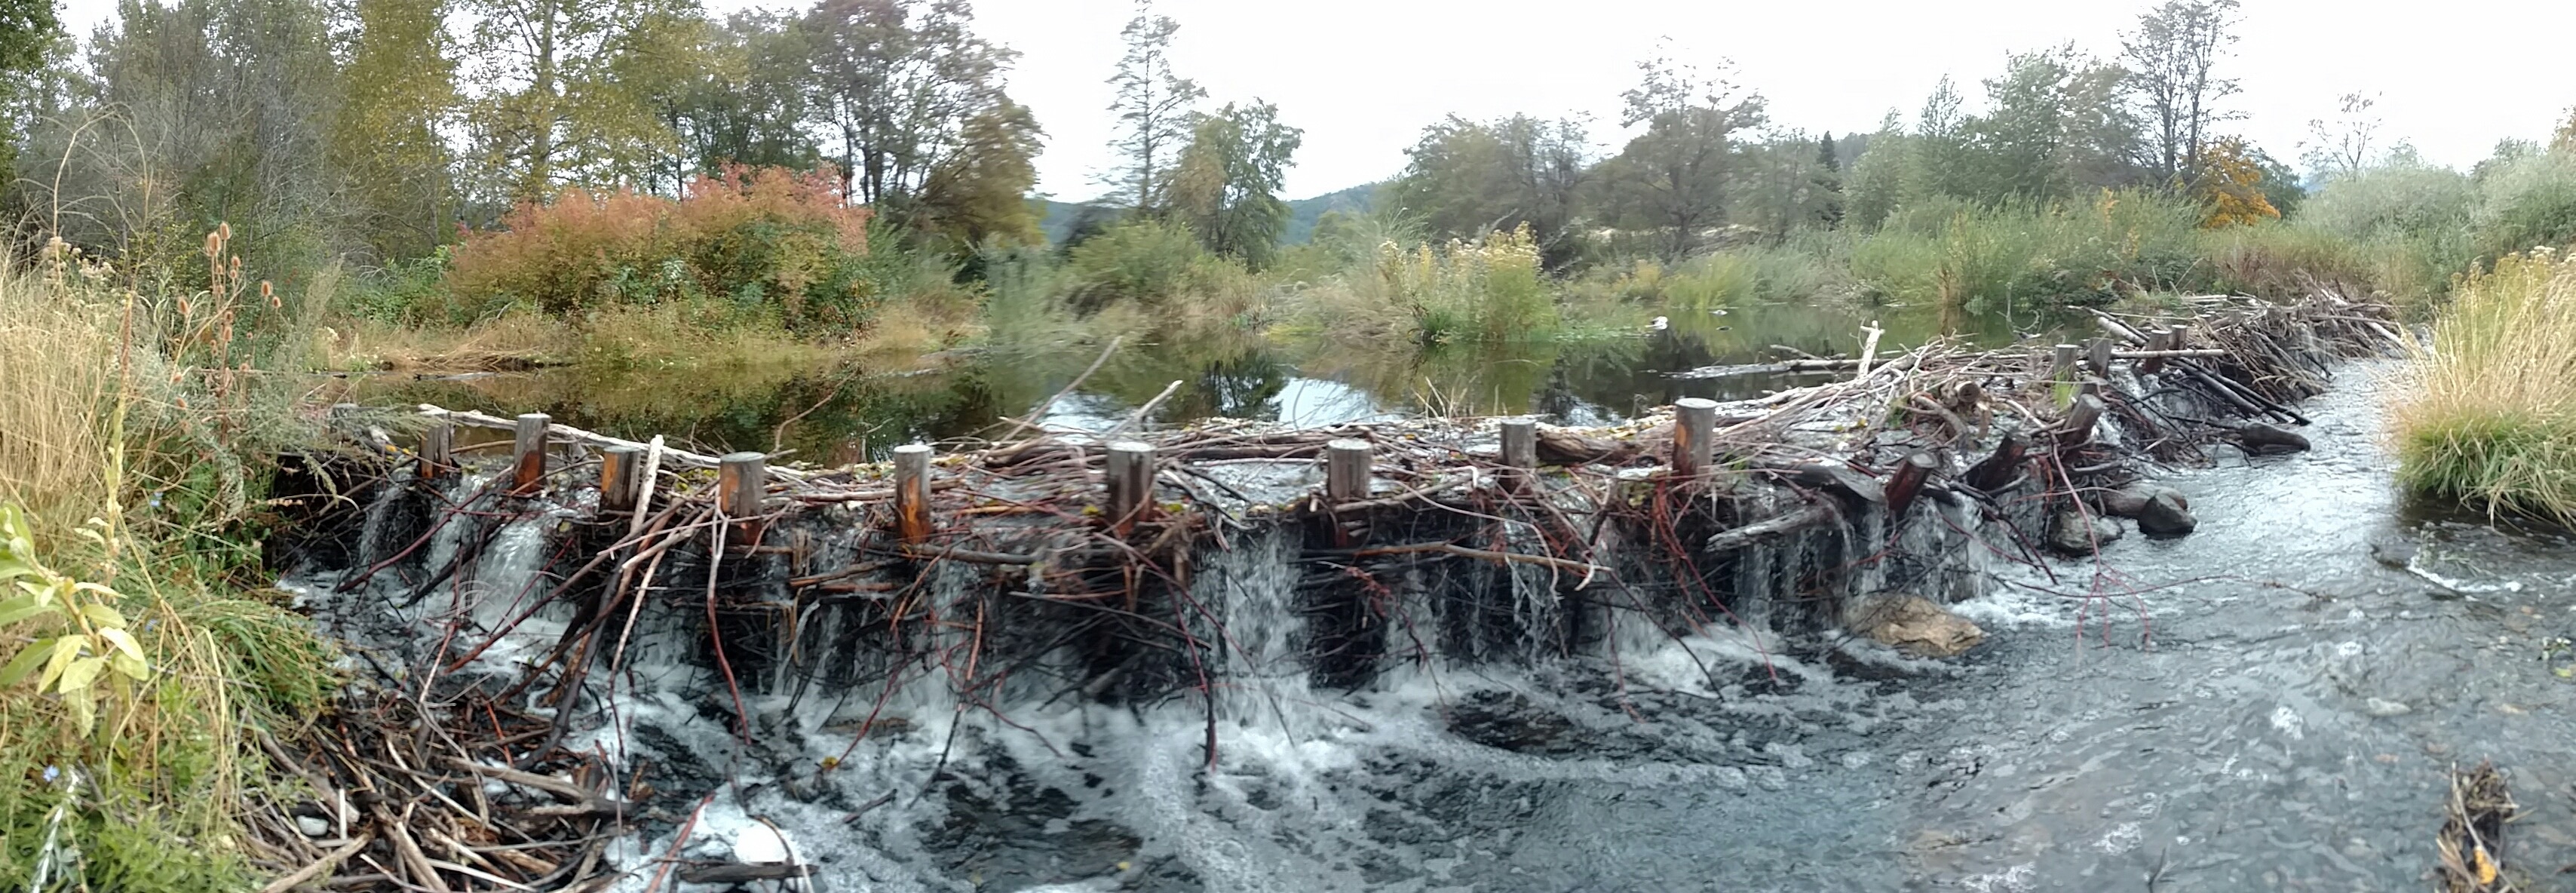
<point x="2489" y="415"/>
<point x="130" y="463"/>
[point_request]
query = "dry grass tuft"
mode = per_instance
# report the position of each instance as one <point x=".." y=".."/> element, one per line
<point x="2489" y="417"/>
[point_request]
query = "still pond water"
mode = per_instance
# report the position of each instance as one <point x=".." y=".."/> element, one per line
<point x="844" y="414"/>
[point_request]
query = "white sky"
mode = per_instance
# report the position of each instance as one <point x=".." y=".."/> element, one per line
<point x="1364" y="76"/>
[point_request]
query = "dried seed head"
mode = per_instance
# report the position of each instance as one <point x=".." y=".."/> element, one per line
<point x="214" y="244"/>
<point x="269" y="292"/>
<point x="225" y="230"/>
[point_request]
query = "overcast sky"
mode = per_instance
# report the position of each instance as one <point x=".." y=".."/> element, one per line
<point x="1363" y="76"/>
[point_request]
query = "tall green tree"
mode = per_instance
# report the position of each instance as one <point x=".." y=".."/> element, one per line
<point x="1226" y="187"/>
<point x="30" y="32"/>
<point x="895" y="83"/>
<point x="1154" y="111"/>
<point x="2173" y="58"/>
<point x="1673" y="178"/>
<point x="978" y="195"/>
<point x="386" y="139"/>
<point x="577" y="92"/>
<point x="197" y="112"/>
<point x="749" y="101"/>
<point x="1465" y="179"/>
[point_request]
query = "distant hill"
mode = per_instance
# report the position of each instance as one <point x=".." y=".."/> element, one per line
<point x="1302" y="213"/>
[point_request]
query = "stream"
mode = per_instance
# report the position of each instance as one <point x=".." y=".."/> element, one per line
<point x="2272" y="703"/>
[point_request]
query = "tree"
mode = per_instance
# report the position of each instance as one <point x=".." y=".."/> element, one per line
<point x="1153" y="107"/>
<point x="386" y="141"/>
<point x="750" y="100"/>
<point x="978" y="194"/>
<point x="1828" y="183"/>
<point x="577" y="92"/>
<point x="1226" y="186"/>
<point x="2343" y="145"/>
<point x="2231" y="186"/>
<point x="199" y="112"/>
<point x="29" y="35"/>
<point x="2054" y="126"/>
<point x="2172" y="56"/>
<point x="1673" y="177"/>
<point x="1464" y="179"/>
<point x="897" y="81"/>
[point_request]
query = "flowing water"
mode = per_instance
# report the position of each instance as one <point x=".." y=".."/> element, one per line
<point x="2271" y="703"/>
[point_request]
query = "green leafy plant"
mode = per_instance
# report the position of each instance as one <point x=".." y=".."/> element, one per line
<point x="95" y="658"/>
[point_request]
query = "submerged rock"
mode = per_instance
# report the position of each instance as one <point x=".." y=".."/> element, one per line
<point x="2068" y="534"/>
<point x="1915" y="625"/>
<point x="2166" y="515"/>
<point x="2264" y="440"/>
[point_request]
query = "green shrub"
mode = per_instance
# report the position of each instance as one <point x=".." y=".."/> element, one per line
<point x="1981" y="259"/>
<point x="2526" y="202"/>
<point x="1139" y="259"/>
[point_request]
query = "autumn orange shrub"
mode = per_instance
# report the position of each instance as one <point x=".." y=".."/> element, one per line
<point x="750" y="242"/>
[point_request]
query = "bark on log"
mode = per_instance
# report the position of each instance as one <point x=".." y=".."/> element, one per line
<point x="1907" y="482"/>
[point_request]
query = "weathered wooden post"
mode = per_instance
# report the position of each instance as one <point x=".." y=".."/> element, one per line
<point x="1520" y="443"/>
<point x="2157" y="341"/>
<point x="438" y="449"/>
<point x="1346" y="471"/>
<point x="2181" y="336"/>
<point x="912" y="492"/>
<point x="1131" y="484"/>
<point x="621" y="478"/>
<point x="2098" y="355"/>
<point x="2061" y="360"/>
<point x="528" y="452"/>
<point x="1907" y="482"/>
<point x="742" y="480"/>
<point x="1694" y="435"/>
<point x="2080" y="419"/>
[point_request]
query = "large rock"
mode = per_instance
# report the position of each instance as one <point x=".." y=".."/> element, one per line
<point x="2166" y="515"/>
<point x="1915" y="625"/>
<point x="2068" y="534"/>
<point x="2264" y="440"/>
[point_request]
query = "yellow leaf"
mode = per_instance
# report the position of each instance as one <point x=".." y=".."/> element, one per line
<point x="2486" y="866"/>
<point x="102" y="614"/>
<point x="81" y="673"/>
<point x="66" y="649"/>
<point x="123" y="642"/>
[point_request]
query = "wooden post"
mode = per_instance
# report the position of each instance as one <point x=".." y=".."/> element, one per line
<point x="1131" y="484"/>
<point x="2061" y="360"/>
<point x="1907" y="482"/>
<point x="528" y="452"/>
<point x="2000" y="468"/>
<point x="621" y="478"/>
<point x="2158" y="340"/>
<point x="1346" y="471"/>
<point x="912" y="492"/>
<point x="1520" y="443"/>
<point x="438" y="449"/>
<point x="1694" y="428"/>
<point x="2098" y="355"/>
<point x="742" y="480"/>
<point x="2080" y="420"/>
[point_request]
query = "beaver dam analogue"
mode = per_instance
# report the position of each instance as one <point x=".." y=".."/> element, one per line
<point x="1181" y="659"/>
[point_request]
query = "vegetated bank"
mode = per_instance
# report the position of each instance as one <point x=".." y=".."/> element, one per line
<point x="2489" y="414"/>
<point x="149" y="656"/>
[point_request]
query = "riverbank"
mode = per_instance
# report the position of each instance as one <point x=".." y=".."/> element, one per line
<point x="2488" y="418"/>
<point x="149" y="654"/>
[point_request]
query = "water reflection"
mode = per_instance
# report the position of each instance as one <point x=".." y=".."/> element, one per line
<point x="862" y="410"/>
